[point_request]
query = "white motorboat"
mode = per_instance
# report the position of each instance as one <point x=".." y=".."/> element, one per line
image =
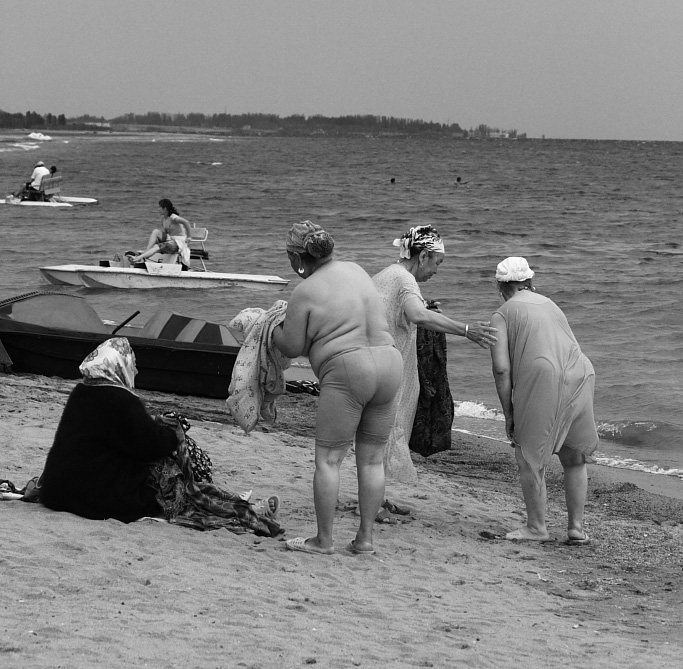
<point x="48" y="194"/>
<point x="156" y="275"/>
<point x="60" y="201"/>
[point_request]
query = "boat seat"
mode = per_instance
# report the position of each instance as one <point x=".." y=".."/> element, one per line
<point x="174" y="327"/>
<point x="48" y="187"/>
<point x="196" y="243"/>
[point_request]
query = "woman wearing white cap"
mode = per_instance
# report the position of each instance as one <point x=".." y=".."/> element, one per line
<point x="545" y="385"/>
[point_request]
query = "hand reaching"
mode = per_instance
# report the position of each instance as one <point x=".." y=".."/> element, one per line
<point x="482" y="333"/>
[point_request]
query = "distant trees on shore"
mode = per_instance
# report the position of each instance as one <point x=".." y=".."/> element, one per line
<point x="256" y="124"/>
<point x="31" y="120"/>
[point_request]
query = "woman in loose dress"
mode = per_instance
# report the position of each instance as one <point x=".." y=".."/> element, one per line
<point x="421" y="252"/>
<point x="545" y="385"/>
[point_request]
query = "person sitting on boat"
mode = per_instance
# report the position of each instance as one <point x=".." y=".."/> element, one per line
<point x="171" y="239"/>
<point x="31" y="188"/>
<point x="112" y="459"/>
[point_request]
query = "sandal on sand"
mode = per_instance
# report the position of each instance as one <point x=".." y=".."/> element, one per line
<point x="525" y="534"/>
<point x="352" y="548"/>
<point x="299" y="544"/>
<point x="572" y="541"/>
<point x="268" y="507"/>
<point x="393" y="508"/>
<point x="385" y="517"/>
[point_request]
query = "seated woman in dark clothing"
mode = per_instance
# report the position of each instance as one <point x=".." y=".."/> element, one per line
<point x="99" y="462"/>
<point x="112" y="459"/>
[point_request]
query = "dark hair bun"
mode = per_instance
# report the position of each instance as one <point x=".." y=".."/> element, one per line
<point x="319" y="244"/>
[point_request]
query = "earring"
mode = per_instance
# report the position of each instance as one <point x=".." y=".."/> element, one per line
<point x="301" y="270"/>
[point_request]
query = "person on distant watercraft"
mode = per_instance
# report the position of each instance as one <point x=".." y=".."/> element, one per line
<point x="172" y="238"/>
<point x="33" y="185"/>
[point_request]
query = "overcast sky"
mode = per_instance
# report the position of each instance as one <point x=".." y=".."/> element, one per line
<point x="600" y="69"/>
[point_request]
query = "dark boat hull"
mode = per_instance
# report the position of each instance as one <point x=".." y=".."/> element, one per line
<point x="166" y="365"/>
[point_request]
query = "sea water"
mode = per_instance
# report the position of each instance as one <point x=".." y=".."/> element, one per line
<point x="588" y="215"/>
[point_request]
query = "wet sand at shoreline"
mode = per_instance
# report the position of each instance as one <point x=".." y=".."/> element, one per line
<point x="443" y="590"/>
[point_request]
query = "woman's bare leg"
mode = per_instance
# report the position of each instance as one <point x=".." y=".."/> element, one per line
<point x="535" y="496"/>
<point x="370" y="466"/>
<point x="575" y="489"/>
<point x="326" y="492"/>
<point x="155" y="238"/>
<point x="147" y="254"/>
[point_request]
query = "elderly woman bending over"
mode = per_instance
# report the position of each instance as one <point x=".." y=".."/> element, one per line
<point x="335" y="316"/>
<point x="545" y="385"/>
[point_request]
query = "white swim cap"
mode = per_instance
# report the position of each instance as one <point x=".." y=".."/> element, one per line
<point x="513" y="269"/>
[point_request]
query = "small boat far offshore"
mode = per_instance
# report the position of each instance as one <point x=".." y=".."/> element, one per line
<point x="63" y="201"/>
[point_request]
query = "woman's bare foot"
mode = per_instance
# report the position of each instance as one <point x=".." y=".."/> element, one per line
<point x="526" y="534"/>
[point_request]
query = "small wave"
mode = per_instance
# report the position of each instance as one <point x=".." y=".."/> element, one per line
<point x="634" y="465"/>
<point x="639" y="433"/>
<point x="467" y="409"/>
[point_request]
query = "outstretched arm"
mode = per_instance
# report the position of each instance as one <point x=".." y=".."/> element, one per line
<point x="479" y="332"/>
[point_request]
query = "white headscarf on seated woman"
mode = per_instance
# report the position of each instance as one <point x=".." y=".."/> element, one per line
<point x="112" y="363"/>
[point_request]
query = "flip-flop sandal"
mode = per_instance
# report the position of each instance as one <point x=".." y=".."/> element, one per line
<point x="393" y="508"/>
<point x="385" y="517"/>
<point x="7" y="486"/>
<point x="299" y="544"/>
<point x="268" y="507"/>
<point x="571" y="541"/>
<point x="352" y="548"/>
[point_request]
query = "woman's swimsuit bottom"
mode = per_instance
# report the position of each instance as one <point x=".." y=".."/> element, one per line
<point x="358" y="396"/>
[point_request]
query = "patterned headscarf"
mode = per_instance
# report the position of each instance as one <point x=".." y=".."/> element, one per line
<point x="420" y="237"/>
<point x="307" y="237"/>
<point x="112" y="363"/>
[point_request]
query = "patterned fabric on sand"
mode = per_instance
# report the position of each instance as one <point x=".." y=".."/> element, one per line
<point x="202" y="506"/>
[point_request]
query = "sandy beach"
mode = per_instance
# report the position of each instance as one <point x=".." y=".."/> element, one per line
<point x="443" y="590"/>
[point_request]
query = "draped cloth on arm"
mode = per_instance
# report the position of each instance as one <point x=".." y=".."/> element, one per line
<point x="258" y="375"/>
